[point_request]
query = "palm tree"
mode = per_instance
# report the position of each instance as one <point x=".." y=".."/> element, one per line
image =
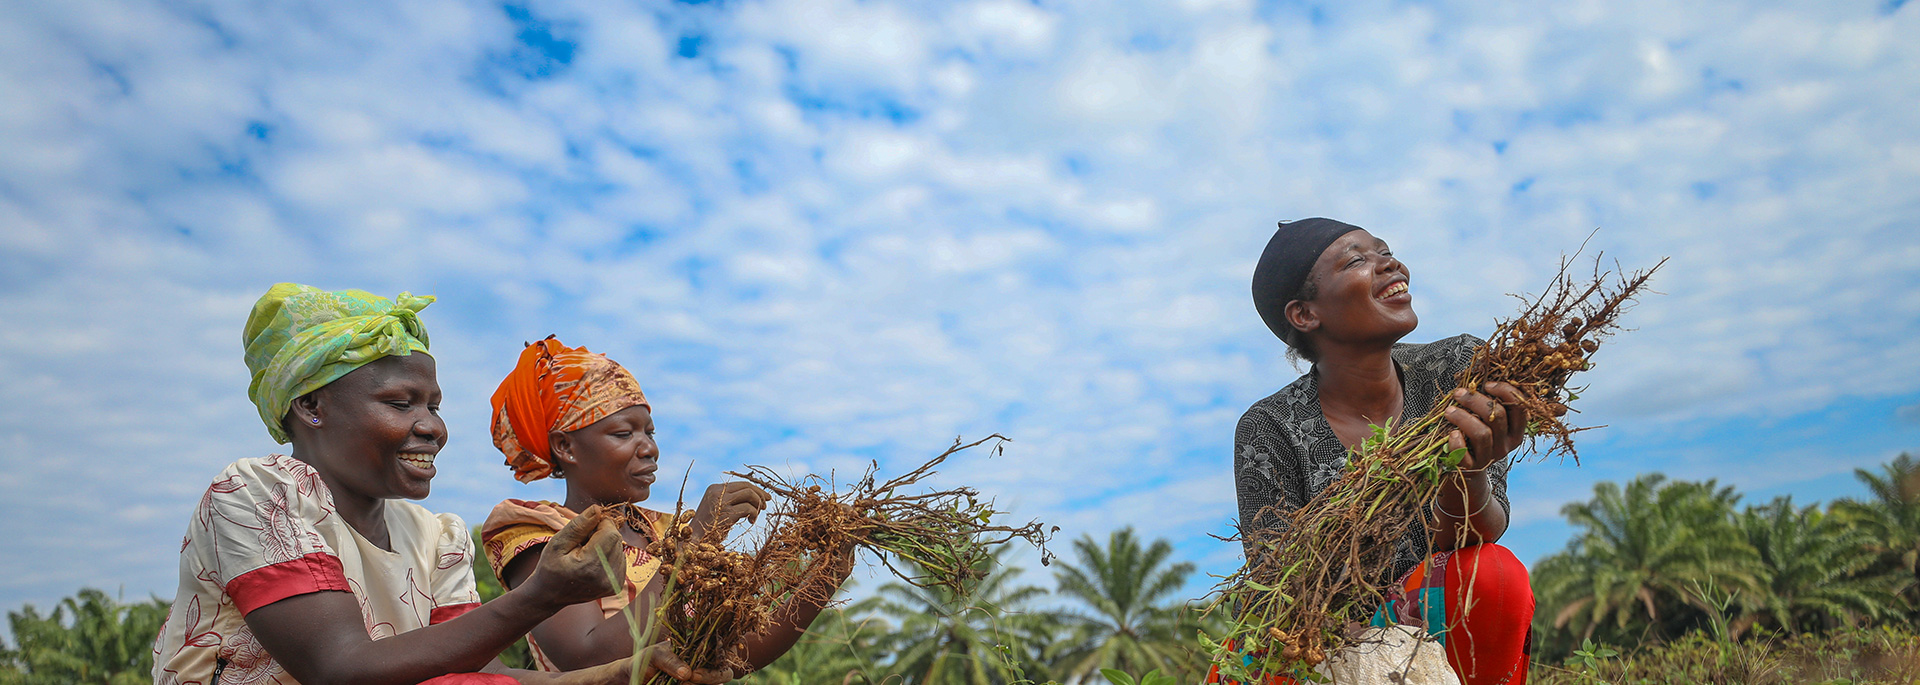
<point x="1131" y="625"/>
<point x="1891" y="518"/>
<point x="1815" y="566"/>
<point x="89" y="638"/>
<point x="983" y="636"/>
<point x="1639" y="557"/>
<point x="839" y="648"/>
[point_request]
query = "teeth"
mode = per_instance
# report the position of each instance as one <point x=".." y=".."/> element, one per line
<point x="416" y="459"/>
<point x="1393" y="290"/>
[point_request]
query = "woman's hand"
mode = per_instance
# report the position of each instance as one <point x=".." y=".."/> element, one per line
<point x="1465" y="510"/>
<point x="658" y="659"/>
<point x="570" y="569"/>
<point x="1486" y="428"/>
<point x="725" y="504"/>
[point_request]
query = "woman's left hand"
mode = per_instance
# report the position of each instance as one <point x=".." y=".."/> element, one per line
<point x="1488" y="427"/>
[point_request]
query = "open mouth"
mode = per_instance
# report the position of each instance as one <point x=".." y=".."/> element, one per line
<point x="1393" y="289"/>
<point x="419" y="460"/>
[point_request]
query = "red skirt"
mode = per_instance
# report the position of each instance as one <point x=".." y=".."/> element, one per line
<point x="1476" y="601"/>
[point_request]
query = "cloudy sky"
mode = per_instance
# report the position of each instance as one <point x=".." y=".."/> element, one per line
<point x="825" y="231"/>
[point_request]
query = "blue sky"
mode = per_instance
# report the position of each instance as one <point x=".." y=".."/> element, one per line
<point x="825" y="231"/>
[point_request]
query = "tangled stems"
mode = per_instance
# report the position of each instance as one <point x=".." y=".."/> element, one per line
<point x="946" y="534"/>
<point x="717" y="597"/>
<point x="1315" y="570"/>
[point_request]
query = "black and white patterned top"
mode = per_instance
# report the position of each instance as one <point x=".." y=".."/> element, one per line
<point x="1285" y="452"/>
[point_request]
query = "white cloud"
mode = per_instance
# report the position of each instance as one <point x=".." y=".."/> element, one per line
<point x="848" y="229"/>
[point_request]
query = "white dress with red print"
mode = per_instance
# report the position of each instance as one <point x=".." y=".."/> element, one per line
<point x="265" y="531"/>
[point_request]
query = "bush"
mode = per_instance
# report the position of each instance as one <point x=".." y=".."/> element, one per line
<point x="89" y="638"/>
<point x="1852" y="657"/>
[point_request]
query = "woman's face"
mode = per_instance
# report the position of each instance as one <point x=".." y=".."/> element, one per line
<point x="613" y="459"/>
<point x="380" y="427"/>
<point x="1362" y="294"/>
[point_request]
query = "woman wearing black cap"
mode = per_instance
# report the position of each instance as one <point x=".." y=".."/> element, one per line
<point x="1340" y="300"/>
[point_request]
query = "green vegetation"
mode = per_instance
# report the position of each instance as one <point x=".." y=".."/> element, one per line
<point x="1664" y="582"/>
<point x="1674" y="582"/>
<point x="89" y="638"/>
<point x="519" y="655"/>
<point x="1132" y="627"/>
<point x="1851" y="656"/>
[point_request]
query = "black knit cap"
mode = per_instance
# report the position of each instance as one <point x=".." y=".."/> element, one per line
<point x="1285" y="264"/>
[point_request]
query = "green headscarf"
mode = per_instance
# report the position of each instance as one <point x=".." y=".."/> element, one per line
<point x="300" y="338"/>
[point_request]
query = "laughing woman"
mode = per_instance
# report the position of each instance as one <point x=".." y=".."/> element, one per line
<point x="310" y="568"/>
<point x="1338" y="298"/>
<point x="570" y="414"/>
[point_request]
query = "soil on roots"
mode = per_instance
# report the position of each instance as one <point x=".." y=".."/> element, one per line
<point x="1316" y="569"/>
<point x="717" y="597"/>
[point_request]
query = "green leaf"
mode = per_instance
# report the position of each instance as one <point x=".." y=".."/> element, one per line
<point x="1117" y="677"/>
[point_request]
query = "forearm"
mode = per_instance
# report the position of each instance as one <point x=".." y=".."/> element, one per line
<point x="580" y="636"/>
<point x="1465" y="512"/>
<point x="320" y="639"/>
<point x="777" y="639"/>
<point x="799" y="612"/>
<point x="616" y="672"/>
<point x="527" y="677"/>
<point x="463" y="645"/>
<point x="576" y="643"/>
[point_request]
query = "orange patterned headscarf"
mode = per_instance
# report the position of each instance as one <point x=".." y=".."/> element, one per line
<point x="555" y="387"/>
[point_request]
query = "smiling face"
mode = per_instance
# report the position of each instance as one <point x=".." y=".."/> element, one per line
<point x="380" y="428"/>
<point x="611" y="460"/>
<point x="1360" y="295"/>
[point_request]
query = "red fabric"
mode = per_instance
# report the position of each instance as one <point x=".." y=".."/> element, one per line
<point x="1489" y="616"/>
<point x="473" y="679"/>
<point x="555" y="387"/>
<point x="268" y="584"/>
<point x="449" y="612"/>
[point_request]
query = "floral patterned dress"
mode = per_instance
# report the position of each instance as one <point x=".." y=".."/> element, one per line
<point x="266" y="530"/>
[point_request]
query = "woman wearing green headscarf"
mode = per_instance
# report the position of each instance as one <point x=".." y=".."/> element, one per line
<point x="312" y="568"/>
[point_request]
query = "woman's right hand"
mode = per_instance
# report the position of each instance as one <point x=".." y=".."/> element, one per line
<point x="659" y="659"/>
<point x="725" y="504"/>
<point x="573" y="567"/>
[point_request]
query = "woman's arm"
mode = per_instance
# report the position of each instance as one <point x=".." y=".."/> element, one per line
<point x="1466" y="512"/>
<point x="580" y="636"/>
<point x="793" y="618"/>
<point x="321" y="637"/>
<point x="658" y="659"/>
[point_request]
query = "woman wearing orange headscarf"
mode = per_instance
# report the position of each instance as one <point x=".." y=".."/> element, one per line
<point x="578" y="416"/>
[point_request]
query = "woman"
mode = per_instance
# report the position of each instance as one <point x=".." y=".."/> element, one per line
<point x="309" y="568"/>
<point x="1339" y="299"/>
<point x="578" y="416"/>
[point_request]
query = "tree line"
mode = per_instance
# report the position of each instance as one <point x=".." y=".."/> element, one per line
<point x="1658" y="559"/>
<point x="1653" y="562"/>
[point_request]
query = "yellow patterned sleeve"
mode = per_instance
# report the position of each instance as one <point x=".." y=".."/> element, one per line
<point x="505" y="544"/>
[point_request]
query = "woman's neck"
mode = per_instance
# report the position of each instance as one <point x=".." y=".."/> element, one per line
<point x="578" y="501"/>
<point x="366" y="515"/>
<point x="1360" y="383"/>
